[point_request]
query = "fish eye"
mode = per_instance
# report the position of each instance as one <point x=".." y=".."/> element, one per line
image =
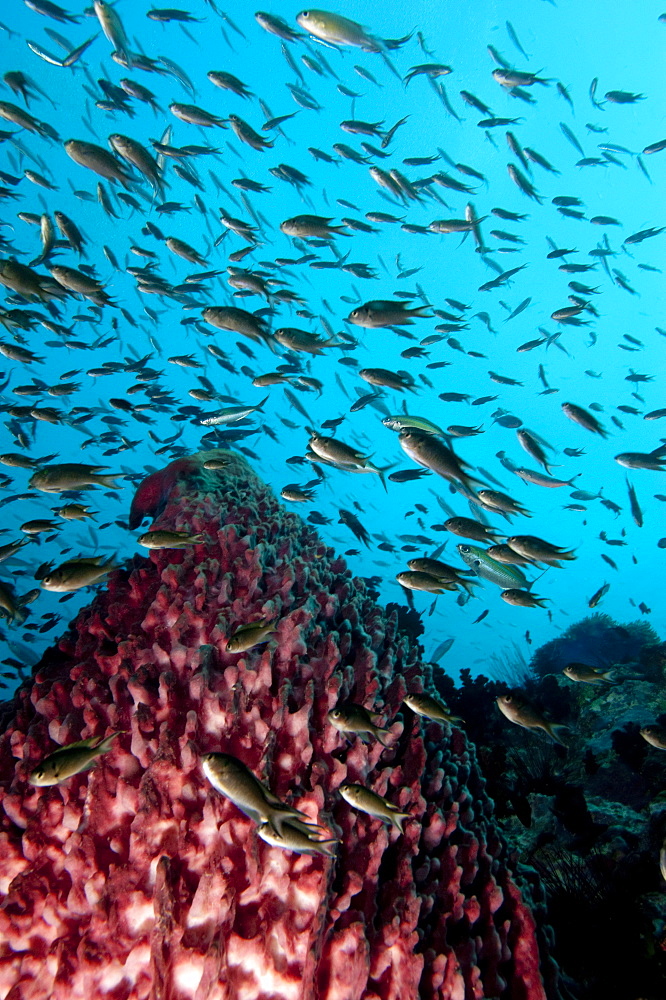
<point x="464" y="548"/>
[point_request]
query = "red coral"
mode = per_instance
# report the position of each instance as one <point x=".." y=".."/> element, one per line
<point x="137" y="880"/>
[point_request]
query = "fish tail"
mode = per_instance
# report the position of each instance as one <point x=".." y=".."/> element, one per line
<point x="398" y="819"/>
<point x="553" y="728"/>
<point x="530" y="583"/>
<point x="381" y="472"/>
<point x="108" y="480"/>
<point x="105" y="743"/>
<point x="380" y="734"/>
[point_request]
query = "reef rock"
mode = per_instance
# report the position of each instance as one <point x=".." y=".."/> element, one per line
<point x="136" y="879"/>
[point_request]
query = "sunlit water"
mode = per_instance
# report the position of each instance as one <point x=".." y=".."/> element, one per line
<point x="621" y="46"/>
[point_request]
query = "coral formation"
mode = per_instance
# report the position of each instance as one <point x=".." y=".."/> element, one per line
<point x="136" y="879"/>
<point x="589" y="818"/>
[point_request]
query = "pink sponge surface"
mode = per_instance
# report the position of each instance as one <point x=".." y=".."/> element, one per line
<point x="136" y="879"/>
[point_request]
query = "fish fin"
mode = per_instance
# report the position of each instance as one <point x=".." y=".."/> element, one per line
<point x="530" y="583"/>
<point x="398" y="818"/>
<point x="552" y="729"/>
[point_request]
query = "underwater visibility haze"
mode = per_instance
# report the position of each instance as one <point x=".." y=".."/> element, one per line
<point x="364" y="308"/>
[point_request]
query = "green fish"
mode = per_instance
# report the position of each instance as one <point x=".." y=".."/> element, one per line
<point x="71" y="759"/>
<point x="506" y="577"/>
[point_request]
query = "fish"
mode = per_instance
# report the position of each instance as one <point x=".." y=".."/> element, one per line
<point x="351" y="718"/>
<point x="521" y="713"/>
<point x="584" y="674"/>
<point x="232" y="414"/>
<point x="467" y="527"/>
<point x="71" y="759"/>
<point x="522" y="598"/>
<point x="636" y="512"/>
<point x="537" y="479"/>
<point x="538" y="550"/>
<point x="598" y="594"/>
<point x="71" y="476"/>
<point x="12" y="606"/>
<point x="497" y="500"/>
<point x="384" y="377"/>
<point x="290" y="838"/>
<point x="381" y="313"/>
<point x="653" y="460"/>
<point x="160" y="538"/>
<point x="250" y="634"/>
<point x="316" y="226"/>
<point x="76" y="573"/>
<point x="584" y="418"/>
<point x="353" y="523"/>
<point x="233" y="779"/>
<point x="367" y="801"/>
<point x="429" y="707"/>
<point x="429" y="451"/>
<point x="489" y="569"/>
<point x="655" y="736"/>
<point x="418" y="580"/>
<point x="337" y="30"/>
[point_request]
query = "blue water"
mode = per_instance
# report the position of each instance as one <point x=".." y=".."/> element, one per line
<point x="573" y="42"/>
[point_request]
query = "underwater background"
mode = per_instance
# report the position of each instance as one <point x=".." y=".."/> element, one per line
<point x="590" y="53"/>
<point x="533" y="131"/>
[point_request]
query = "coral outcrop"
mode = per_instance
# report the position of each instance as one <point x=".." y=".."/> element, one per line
<point x="137" y="880"/>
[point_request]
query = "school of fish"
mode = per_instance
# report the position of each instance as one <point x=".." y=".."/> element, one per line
<point x="162" y="233"/>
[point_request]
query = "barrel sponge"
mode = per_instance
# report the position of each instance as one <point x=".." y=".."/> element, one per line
<point x="136" y="880"/>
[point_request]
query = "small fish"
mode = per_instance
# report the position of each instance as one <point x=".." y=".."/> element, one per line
<point x="367" y="801"/>
<point x="71" y="476"/>
<point x="636" y="511"/>
<point x="531" y="547"/>
<point x="12" y="607"/>
<point x="161" y="539"/>
<point x="233" y="779"/>
<point x="70" y="760"/>
<point x="75" y="512"/>
<point x="520" y="712"/>
<point x="598" y="594"/>
<point x="380" y="313"/>
<point x="584" y="674"/>
<point x="653" y="460"/>
<point x="353" y="523"/>
<point x="290" y="838"/>
<point x="251" y="634"/>
<point x="522" y="598"/>
<point x="296" y="495"/>
<point x="487" y="568"/>
<point x="429" y="708"/>
<point x="231" y="414"/>
<point x="75" y="573"/>
<point x="351" y="718"/>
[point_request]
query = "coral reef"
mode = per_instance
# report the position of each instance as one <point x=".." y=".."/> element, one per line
<point x="589" y="818"/>
<point x="136" y="879"/>
<point x="597" y="641"/>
